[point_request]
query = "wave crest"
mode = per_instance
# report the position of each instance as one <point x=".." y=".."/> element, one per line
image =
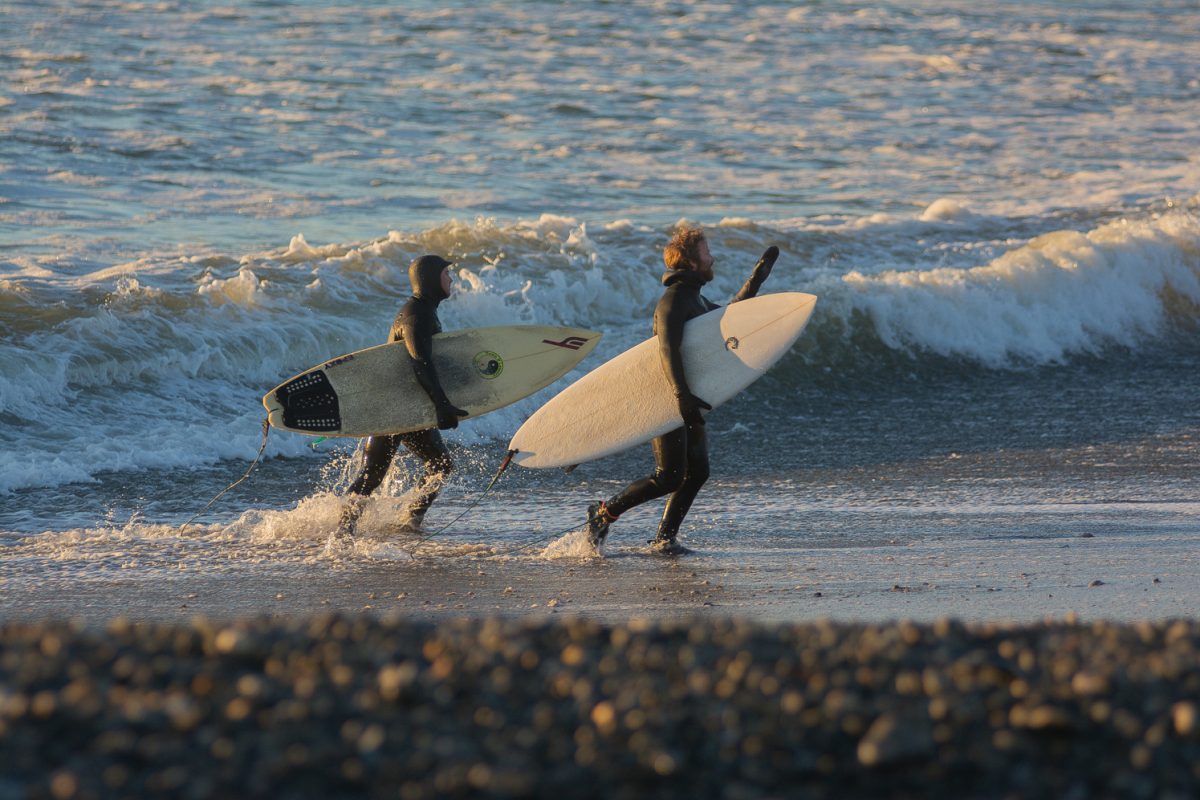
<point x="1061" y="294"/>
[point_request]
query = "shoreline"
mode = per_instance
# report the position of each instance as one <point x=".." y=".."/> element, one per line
<point x="1145" y="575"/>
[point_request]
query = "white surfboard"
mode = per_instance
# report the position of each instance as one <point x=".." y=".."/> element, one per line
<point x="629" y="400"/>
<point x="374" y="391"/>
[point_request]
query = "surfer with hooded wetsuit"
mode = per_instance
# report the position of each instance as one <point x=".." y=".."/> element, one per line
<point x="415" y="325"/>
<point x="681" y="455"/>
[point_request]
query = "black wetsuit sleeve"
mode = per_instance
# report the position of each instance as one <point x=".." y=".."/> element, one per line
<point x="669" y="319"/>
<point x="416" y="327"/>
<point x="762" y="270"/>
<point x="749" y="289"/>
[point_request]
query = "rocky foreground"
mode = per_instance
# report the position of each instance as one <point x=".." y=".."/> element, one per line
<point x="353" y="706"/>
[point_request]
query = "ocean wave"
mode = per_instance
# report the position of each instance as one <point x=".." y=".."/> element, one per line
<point x="162" y="362"/>
<point x="1065" y="293"/>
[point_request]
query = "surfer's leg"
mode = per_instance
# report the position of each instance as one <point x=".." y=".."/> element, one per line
<point x="694" y="477"/>
<point x="378" y="454"/>
<point x="437" y="464"/>
<point x="670" y="464"/>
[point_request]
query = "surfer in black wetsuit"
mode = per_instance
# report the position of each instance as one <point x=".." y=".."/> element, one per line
<point x="680" y="456"/>
<point x="415" y="325"/>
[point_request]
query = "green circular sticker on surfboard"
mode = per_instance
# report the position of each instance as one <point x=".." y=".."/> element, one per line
<point x="489" y="364"/>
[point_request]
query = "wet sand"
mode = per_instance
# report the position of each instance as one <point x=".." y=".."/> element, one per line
<point x="1139" y="576"/>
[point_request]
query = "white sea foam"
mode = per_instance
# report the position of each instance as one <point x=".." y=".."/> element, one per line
<point x="942" y="210"/>
<point x="574" y="544"/>
<point x="1062" y="293"/>
<point x="172" y="345"/>
<point x="168" y="370"/>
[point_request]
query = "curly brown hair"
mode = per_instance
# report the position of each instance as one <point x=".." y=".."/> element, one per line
<point x="683" y="249"/>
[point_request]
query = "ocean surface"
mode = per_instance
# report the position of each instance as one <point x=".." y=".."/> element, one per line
<point x="999" y="208"/>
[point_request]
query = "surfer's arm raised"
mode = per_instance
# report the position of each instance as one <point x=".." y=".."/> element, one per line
<point x="762" y="270"/>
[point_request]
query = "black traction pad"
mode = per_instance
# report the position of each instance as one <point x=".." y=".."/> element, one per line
<point x="309" y="403"/>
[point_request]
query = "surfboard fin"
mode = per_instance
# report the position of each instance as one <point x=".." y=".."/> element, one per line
<point x="570" y="469"/>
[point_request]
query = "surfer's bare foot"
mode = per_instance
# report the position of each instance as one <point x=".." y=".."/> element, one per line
<point x="599" y="519"/>
<point x="668" y="547"/>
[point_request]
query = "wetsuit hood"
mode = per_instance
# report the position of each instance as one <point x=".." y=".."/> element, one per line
<point x="685" y="277"/>
<point x="425" y="275"/>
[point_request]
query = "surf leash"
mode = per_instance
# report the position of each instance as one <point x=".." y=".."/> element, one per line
<point x="508" y="457"/>
<point x="544" y="537"/>
<point x="266" y="428"/>
<point x="539" y="539"/>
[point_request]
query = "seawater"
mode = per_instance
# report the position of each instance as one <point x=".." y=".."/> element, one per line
<point x="998" y="208"/>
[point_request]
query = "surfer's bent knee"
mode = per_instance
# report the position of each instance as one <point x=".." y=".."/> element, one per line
<point x="669" y="480"/>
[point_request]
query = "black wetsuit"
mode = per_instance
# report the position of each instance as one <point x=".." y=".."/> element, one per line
<point x="680" y="456"/>
<point x="415" y="325"/>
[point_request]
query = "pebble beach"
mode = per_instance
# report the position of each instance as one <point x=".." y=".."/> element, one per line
<point x="984" y="668"/>
<point x="351" y="705"/>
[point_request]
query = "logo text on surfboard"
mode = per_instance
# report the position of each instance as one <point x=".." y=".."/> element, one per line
<point x="571" y="342"/>
<point x="337" y="361"/>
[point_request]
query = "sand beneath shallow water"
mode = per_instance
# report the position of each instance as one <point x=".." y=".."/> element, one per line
<point x="1142" y="575"/>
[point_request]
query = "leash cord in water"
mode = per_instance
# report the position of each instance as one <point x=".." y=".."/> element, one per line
<point x="266" y="428"/>
<point x="503" y="466"/>
<point x="544" y="537"/>
<point x="508" y="457"/>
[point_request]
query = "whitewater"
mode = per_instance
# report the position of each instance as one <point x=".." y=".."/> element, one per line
<point x="177" y="352"/>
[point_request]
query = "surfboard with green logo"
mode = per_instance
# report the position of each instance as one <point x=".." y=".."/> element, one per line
<point x="374" y="391"/>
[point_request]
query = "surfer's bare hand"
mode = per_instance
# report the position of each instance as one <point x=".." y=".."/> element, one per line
<point x="447" y="416"/>
<point x="689" y="408"/>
